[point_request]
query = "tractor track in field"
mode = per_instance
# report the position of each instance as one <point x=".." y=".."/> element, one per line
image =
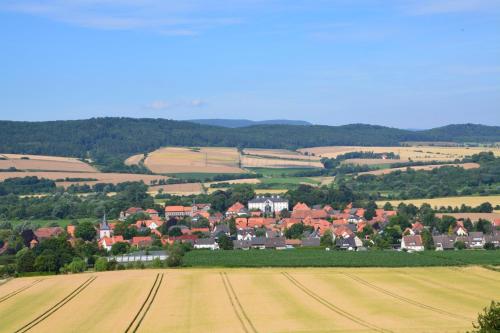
<point x="331" y="306"/>
<point x="404" y="299"/>
<point x="146" y="305"/>
<point x="442" y="285"/>
<point x="455" y="269"/>
<point x="56" y="306"/>
<point x="17" y="291"/>
<point x="236" y="304"/>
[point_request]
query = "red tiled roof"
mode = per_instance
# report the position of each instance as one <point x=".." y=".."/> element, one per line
<point x="171" y="209"/>
<point x="48" y="232"/>
<point x="301" y="206"/>
<point x="236" y="207"/>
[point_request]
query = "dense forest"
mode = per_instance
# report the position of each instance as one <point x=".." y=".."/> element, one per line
<point x="108" y="139"/>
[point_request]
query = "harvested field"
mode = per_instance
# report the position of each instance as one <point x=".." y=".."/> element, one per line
<point x="43" y="163"/>
<point x="371" y="161"/>
<point x="420" y="167"/>
<point x="178" y="189"/>
<point x="111" y="178"/>
<point x="263" y="162"/>
<point x="134" y="160"/>
<point x="194" y="160"/>
<point x="421" y="153"/>
<point x="279" y="153"/>
<point x="473" y="216"/>
<point x="256" y="300"/>
<point x="472" y="201"/>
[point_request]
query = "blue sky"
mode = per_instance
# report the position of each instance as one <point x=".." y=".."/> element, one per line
<point x="406" y="63"/>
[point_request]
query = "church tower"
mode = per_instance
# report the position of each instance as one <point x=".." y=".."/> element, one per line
<point x="104" y="229"/>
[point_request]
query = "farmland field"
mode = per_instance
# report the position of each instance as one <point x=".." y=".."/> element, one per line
<point x="421" y="153"/>
<point x="420" y="167"/>
<point x="43" y="163"/>
<point x="194" y="160"/>
<point x="112" y="178"/>
<point x="134" y="160"/>
<point x="250" y="300"/>
<point x="249" y="161"/>
<point x="472" y="201"/>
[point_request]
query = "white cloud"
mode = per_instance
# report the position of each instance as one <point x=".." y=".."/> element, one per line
<point x="159" y="105"/>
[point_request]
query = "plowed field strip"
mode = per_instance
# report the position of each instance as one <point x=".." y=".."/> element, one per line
<point x="331" y="306"/>
<point x="151" y="300"/>
<point x="57" y="306"/>
<point x="404" y="299"/>
<point x="15" y="292"/>
<point x="245" y="321"/>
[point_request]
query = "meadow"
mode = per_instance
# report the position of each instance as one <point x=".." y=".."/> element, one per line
<point x="250" y="300"/>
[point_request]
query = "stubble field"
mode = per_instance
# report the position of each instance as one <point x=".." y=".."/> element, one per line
<point x="250" y="300"/>
<point x="420" y="153"/>
<point x="46" y="163"/>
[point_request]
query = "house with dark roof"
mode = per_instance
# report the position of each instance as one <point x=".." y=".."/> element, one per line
<point x="206" y="243"/>
<point x="443" y="242"/>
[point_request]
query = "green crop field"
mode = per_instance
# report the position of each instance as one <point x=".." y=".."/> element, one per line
<point x="280" y="172"/>
<point x="46" y="223"/>
<point x="322" y="258"/>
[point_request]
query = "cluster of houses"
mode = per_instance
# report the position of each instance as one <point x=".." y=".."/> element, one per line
<point x="263" y="224"/>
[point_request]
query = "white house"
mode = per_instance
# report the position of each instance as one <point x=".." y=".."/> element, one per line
<point x="412" y="243"/>
<point x="206" y="243"/>
<point x="272" y="204"/>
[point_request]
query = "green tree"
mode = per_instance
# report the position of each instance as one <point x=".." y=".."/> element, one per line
<point x="489" y="320"/>
<point x="25" y="261"/>
<point x="459" y="245"/>
<point x="485" y="207"/>
<point x="327" y="238"/>
<point x="427" y="240"/>
<point x="232" y="227"/>
<point x="46" y="262"/>
<point x="388" y="206"/>
<point x="175" y="232"/>
<point x="120" y="248"/>
<point x="484" y="226"/>
<point x="370" y="210"/>
<point x="86" y="231"/>
<point x="101" y="264"/>
<point x="76" y="266"/>
<point x="225" y="242"/>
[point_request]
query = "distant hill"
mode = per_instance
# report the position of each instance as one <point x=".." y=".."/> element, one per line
<point x="108" y="140"/>
<point x="236" y="123"/>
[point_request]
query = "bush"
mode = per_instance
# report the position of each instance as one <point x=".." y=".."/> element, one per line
<point x="174" y="260"/>
<point x="76" y="266"/>
<point x="459" y="245"/>
<point x="157" y="263"/>
<point x="25" y="261"/>
<point x="101" y="264"/>
<point x="489" y="320"/>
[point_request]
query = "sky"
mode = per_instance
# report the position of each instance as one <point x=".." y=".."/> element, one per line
<point x="399" y="63"/>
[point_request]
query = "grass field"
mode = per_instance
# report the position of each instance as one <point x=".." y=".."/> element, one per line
<point x="250" y="300"/>
<point x="43" y="163"/>
<point x="44" y="223"/>
<point x="194" y="160"/>
<point x="472" y="201"/>
<point x="420" y="153"/>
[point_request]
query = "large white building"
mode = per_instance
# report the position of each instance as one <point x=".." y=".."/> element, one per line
<point x="273" y="204"/>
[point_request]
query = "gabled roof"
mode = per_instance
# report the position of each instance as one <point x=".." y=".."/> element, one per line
<point x="48" y="232"/>
<point x="262" y="199"/>
<point x="301" y="206"/>
<point x="176" y="209"/>
<point x="415" y="240"/>
<point x="236" y="207"/>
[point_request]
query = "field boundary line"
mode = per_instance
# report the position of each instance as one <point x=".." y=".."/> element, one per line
<point x="56" y="306"/>
<point x="402" y="298"/>
<point x="152" y="299"/>
<point x="19" y="290"/>
<point x="331" y="306"/>
<point x="233" y="294"/>
<point x="143" y="304"/>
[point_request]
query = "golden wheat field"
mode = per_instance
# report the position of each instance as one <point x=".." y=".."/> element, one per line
<point x="43" y="163"/>
<point x="472" y="201"/>
<point x="194" y="160"/>
<point x="250" y="300"/>
<point x="249" y="161"/>
<point x="279" y="153"/>
<point x="134" y="160"/>
<point x="111" y="178"/>
<point x="420" y="167"/>
<point x="420" y="153"/>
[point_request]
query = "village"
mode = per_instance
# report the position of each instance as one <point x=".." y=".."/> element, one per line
<point x="267" y="223"/>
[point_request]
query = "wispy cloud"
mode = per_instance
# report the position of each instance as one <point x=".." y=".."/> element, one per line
<point x="167" y="17"/>
<point x="160" y="104"/>
<point x="430" y="7"/>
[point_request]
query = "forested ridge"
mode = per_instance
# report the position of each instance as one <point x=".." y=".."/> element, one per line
<point x="120" y="137"/>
